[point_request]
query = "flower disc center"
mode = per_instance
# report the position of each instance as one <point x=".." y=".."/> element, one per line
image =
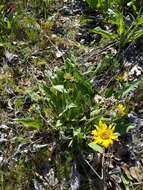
<point x="105" y="135"/>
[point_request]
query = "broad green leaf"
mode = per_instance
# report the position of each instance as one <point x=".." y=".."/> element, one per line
<point x="59" y="88"/>
<point x="68" y="107"/>
<point x="72" y="105"/>
<point x="130" y="88"/>
<point x="104" y="33"/>
<point x="29" y="122"/>
<point x="96" y="147"/>
<point x="121" y="24"/>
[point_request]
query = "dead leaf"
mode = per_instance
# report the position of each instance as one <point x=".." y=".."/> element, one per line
<point x="126" y="169"/>
<point x="135" y="173"/>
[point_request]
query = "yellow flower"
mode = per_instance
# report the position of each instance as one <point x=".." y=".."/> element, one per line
<point x="122" y="77"/>
<point x="68" y="76"/>
<point x="104" y="135"/>
<point x="120" y="108"/>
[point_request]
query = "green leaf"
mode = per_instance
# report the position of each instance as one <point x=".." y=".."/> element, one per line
<point x="104" y="33"/>
<point x="46" y="89"/>
<point x="129" y="128"/>
<point x="130" y="88"/>
<point x="140" y="20"/>
<point x="138" y="34"/>
<point x="68" y="107"/>
<point x="121" y="24"/>
<point x="96" y="147"/>
<point x="8" y="25"/>
<point x="77" y="132"/>
<point x="29" y="122"/>
<point x="92" y="3"/>
<point x="126" y="182"/>
<point x="58" y="123"/>
<point x="59" y="88"/>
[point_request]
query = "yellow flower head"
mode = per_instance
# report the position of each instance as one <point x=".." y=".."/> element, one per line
<point x="68" y="76"/>
<point x="122" y="77"/>
<point x="104" y="135"/>
<point x="121" y="108"/>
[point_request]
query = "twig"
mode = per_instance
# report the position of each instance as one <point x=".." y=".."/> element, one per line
<point x="100" y="177"/>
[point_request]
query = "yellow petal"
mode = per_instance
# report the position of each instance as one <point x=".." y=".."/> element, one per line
<point x="114" y="136"/>
<point x="101" y="124"/>
<point x="113" y="128"/>
<point x="94" y="132"/>
<point x="97" y="127"/>
<point x="107" y="143"/>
